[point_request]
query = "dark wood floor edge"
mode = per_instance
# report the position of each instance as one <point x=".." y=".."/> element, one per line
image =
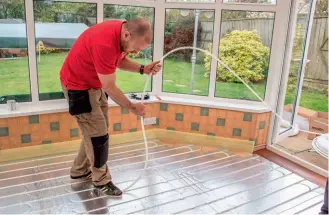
<point x="293" y="167"/>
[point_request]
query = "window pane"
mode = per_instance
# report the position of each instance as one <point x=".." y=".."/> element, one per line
<point x="186" y="71"/>
<point x="251" y="1"/>
<point x="14" y="67"/>
<point x="57" y="26"/>
<point x="245" y="43"/>
<point x="132" y="82"/>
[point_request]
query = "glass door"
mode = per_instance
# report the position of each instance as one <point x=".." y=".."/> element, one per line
<point x="293" y="74"/>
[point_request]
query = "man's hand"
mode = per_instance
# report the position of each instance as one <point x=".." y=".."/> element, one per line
<point x="138" y="109"/>
<point x="152" y="68"/>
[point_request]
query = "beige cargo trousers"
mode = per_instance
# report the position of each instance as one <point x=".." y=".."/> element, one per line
<point x="90" y="109"/>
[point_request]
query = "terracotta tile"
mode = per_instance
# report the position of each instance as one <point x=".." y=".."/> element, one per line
<point x="125" y="125"/>
<point x="212" y="113"/>
<point x="43" y="118"/>
<point x="204" y="120"/>
<point x="23" y="120"/>
<point x="179" y="126"/>
<point x="171" y="109"/>
<point x="13" y="126"/>
<point x="115" y="119"/>
<point x="74" y="123"/>
<point x="65" y="119"/>
<point x="53" y="117"/>
<point x="3" y="122"/>
<point x="212" y="121"/>
<point x="203" y="128"/>
<point x="15" y="141"/>
<point x="196" y="118"/>
<point x="163" y="118"/>
<point x="210" y="129"/>
<point x="260" y="137"/>
<point x="24" y="129"/>
<point x="65" y="134"/>
<point x="221" y="131"/>
<point x="188" y="110"/>
<point x="126" y="118"/>
<point x="4" y="141"/>
<point x="262" y="116"/>
<point x="35" y="128"/>
<point x="180" y="109"/>
<point x="196" y="111"/>
<point x="156" y="110"/>
<point x="36" y="138"/>
<point x="235" y="115"/>
<point x="114" y="111"/>
<point x="55" y="137"/>
<point x="220" y="113"/>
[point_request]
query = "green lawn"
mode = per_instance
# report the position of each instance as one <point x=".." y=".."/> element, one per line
<point x="177" y="78"/>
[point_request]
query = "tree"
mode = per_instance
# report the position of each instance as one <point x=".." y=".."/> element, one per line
<point x="12" y="9"/>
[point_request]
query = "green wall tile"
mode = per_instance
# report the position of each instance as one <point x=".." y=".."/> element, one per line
<point x="4" y="131"/>
<point x="46" y="142"/>
<point x="25" y="138"/>
<point x="34" y="119"/>
<point x="117" y="127"/>
<point x="247" y="117"/>
<point x="163" y="107"/>
<point x="204" y="111"/>
<point x="179" y="117"/>
<point x="74" y="132"/>
<point x="220" y="122"/>
<point x="195" y="126"/>
<point x="54" y="126"/>
<point x="237" y="132"/>
<point x="262" y="125"/>
<point x="124" y="111"/>
<point x="133" y="130"/>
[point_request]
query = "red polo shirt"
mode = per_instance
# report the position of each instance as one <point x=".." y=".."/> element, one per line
<point x="97" y="50"/>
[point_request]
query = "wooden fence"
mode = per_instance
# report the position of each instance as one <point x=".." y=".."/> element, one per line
<point x="316" y="74"/>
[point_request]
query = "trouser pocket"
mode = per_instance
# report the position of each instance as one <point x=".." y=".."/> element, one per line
<point x="79" y="102"/>
<point x="101" y="148"/>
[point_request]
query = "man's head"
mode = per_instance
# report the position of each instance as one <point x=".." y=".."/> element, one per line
<point x="136" y="35"/>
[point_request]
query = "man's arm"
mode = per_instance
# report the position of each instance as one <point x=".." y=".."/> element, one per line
<point x="109" y="86"/>
<point x="128" y="65"/>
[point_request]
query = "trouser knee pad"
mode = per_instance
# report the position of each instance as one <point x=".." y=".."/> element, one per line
<point x="101" y="148"/>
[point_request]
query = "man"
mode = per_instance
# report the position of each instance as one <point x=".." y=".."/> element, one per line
<point x="88" y="78"/>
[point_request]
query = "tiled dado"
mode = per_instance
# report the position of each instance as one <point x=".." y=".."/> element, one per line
<point x="56" y="127"/>
<point x="215" y="122"/>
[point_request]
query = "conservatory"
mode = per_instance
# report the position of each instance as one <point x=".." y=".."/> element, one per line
<point x="236" y="120"/>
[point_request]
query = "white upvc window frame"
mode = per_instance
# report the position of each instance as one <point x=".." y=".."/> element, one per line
<point x="281" y="10"/>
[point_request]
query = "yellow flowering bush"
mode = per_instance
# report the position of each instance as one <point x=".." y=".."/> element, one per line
<point x="245" y="53"/>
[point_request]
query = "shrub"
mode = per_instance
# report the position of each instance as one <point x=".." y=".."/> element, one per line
<point x="182" y="36"/>
<point x="43" y="49"/>
<point x="244" y="53"/>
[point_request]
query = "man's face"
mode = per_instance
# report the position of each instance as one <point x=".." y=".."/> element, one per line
<point x="134" y="44"/>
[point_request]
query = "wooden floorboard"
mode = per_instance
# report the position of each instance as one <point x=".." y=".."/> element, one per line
<point x="298" y="169"/>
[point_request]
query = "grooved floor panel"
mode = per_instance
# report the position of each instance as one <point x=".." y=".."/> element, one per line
<point x="180" y="179"/>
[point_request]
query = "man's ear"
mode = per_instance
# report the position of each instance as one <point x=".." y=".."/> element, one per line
<point x="127" y="35"/>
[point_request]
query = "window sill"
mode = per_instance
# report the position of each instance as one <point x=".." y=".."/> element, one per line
<point x="54" y="106"/>
<point x="245" y="106"/>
